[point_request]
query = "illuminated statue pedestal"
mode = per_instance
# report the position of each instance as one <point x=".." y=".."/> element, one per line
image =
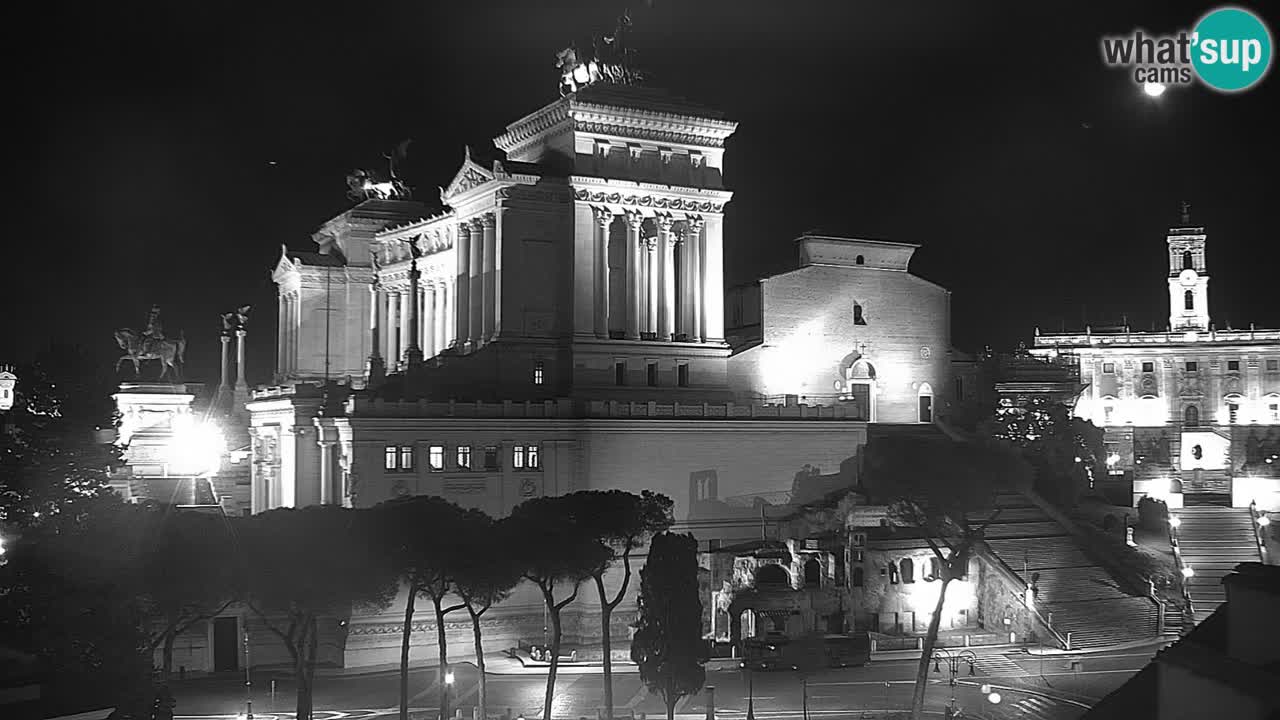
<point x="168" y="453"/>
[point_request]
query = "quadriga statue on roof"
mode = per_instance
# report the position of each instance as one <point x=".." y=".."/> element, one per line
<point x="151" y="344"/>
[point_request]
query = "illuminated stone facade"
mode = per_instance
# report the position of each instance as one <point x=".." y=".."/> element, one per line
<point x="560" y="326"/>
<point x="1192" y="413"/>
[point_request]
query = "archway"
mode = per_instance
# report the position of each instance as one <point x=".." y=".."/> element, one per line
<point x="1191" y="416"/>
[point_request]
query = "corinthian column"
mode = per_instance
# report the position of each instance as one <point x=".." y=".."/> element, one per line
<point x="375" y="370"/>
<point x="634" y="220"/>
<point x="489" y="311"/>
<point x="697" y="274"/>
<point x="429" y="299"/>
<point x="651" y="248"/>
<point x="603" y="218"/>
<point x="475" y="275"/>
<point x="393" y="311"/>
<point x="462" y="296"/>
<point x="666" y="278"/>
<point x="413" y="304"/>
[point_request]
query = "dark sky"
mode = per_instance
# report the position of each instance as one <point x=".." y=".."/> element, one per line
<point x="1038" y="182"/>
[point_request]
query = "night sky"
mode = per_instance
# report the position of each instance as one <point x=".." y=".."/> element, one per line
<point x="166" y="150"/>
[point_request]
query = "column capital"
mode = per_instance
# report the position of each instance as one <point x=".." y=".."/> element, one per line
<point x="665" y="222"/>
<point x="476" y="225"/>
<point x="464" y="228"/>
<point x="694" y="223"/>
<point x="603" y="216"/>
<point x="488" y="220"/>
<point x="634" y="219"/>
<point x="650" y="243"/>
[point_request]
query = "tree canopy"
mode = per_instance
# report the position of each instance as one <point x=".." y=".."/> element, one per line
<point x="668" y="645"/>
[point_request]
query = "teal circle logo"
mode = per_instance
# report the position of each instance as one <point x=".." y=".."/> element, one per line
<point x="1231" y="49"/>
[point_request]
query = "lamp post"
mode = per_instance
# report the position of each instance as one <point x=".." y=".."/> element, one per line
<point x="746" y="665"/>
<point x="448" y="686"/>
<point x="953" y="665"/>
<point x="248" y="683"/>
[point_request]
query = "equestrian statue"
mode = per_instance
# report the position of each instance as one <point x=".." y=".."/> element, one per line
<point x="151" y="344"/>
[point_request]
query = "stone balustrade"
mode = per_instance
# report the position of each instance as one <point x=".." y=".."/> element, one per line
<point x="1158" y="338"/>
<point x="565" y="408"/>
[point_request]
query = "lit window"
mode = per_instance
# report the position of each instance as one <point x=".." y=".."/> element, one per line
<point x="1233" y="365"/>
<point x="1148" y="367"/>
<point x="491" y="458"/>
<point x="620" y="373"/>
<point x="464" y="457"/>
<point x="1233" y="413"/>
<point x="1273" y="364"/>
<point x="538" y="369"/>
<point x="517" y="457"/>
<point x="1109" y="368"/>
<point x="682" y="375"/>
<point x="398" y="458"/>
<point x="1107" y="413"/>
<point x="435" y="457"/>
<point x="653" y="374"/>
<point x="406" y="458"/>
<point x="1192" y="366"/>
<point x="532" y="457"/>
<point x="389" y="459"/>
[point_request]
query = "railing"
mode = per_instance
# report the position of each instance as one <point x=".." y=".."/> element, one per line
<point x="1256" y="518"/>
<point x="1154" y="338"/>
<point x="564" y="408"/>
<point x="1182" y="567"/>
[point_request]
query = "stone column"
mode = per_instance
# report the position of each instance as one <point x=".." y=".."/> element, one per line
<point x="604" y="219"/>
<point x="634" y="221"/>
<point x="489" y="311"/>
<point x="393" y="334"/>
<point x="451" y="313"/>
<point x="406" y="323"/>
<point x="475" y="278"/>
<point x="697" y="275"/>
<point x="667" y="279"/>
<point x="226" y="363"/>
<point x="281" y="326"/>
<point x="375" y="370"/>
<point x="326" y="471"/>
<point x="712" y="249"/>
<point x="429" y="347"/>
<point x="653" y="263"/>
<point x="442" y="316"/>
<point x="294" y="317"/>
<point x="413" y="304"/>
<point x="462" y="282"/>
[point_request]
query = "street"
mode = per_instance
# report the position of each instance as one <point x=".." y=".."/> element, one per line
<point x="1048" y="687"/>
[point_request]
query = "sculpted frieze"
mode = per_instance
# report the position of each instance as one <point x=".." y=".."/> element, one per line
<point x="649" y="201"/>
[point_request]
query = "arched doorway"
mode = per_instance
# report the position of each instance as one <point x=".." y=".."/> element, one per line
<point x="925" y="402"/>
<point x="1191" y="416"/>
<point x="859" y="388"/>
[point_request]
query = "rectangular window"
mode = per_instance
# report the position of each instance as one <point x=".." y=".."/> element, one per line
<point x="464" y="457"/>
<point x="653" y="374"/>
<point x="1274" y="409"/>
<point x="1109" y="368"/>
<point x="620" y="373"/>
<point x="389" y="458"/>
<point x="1273" y="364"/>
<point x="532" y="457"/>
<point x="538" y="370"/>
<point x="1107" y="413"/>
<point x="682" y="375"/>
<point x="406" y="458"/>
<point x="398" y="458"/>
<point x="1148" y="367"/>
<point x="1233" y="413"/>
<point x="1233" y="365"/>
<point x="1192" y="366"/>
<point x="435" y="457"/>
<point x="517" y="457"/>
<point x="491" y="458"/>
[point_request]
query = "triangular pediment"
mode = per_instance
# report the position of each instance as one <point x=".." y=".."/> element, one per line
<point x="472" y="174"/>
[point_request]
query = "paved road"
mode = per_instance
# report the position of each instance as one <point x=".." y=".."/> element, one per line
<point x="1047" y="688"/>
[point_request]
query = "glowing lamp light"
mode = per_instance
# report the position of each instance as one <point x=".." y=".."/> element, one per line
<point x="448" y="678"/>
<point x="994" y="698"/>
<point x="1153" y="89"/>
<point x="1263" y="520"/>
<point x="1188" y="572"/>
<point x="197" y="447"/>
<point x="1113" y="458"/>
<point x="1175" y="521"/>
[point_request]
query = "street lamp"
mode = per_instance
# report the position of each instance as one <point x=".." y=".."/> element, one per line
<point x="1175" y="521"/>
<point x="953" y="665"/>
<point x="248" y="683"/>
<point x="1153" y="89"/>
<point x="448" y="686"/>
<point x="1187" y="571"/>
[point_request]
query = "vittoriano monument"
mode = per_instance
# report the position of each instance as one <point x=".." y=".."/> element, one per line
<point x="151" y="344"/>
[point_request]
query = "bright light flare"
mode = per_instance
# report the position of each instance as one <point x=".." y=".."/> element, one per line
<point x="1112" y="459"/>
<point x="1153" y="89"/>
<point x="994" y="698"/>
<point x="448" y="678"/>
<point x="1263" y="520"/>
<point x="1175" y="521"/>
<point x="197" y="447"/>
<point x="1188" y="572"/>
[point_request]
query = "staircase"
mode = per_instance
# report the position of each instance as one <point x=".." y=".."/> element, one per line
<point x="1206" y="487"/>
<point x="1074" y="593"/>
<point x="1212" y="541"/>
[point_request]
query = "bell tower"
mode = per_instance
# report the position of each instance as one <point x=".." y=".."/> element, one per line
<point x="1188" y="276"/>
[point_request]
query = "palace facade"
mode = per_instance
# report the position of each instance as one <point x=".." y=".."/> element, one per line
<point x="561" y="325"/>
<point x="1192" y="414"/>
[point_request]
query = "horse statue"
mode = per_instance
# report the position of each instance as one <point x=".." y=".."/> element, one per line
<point x="137" y="349"/>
